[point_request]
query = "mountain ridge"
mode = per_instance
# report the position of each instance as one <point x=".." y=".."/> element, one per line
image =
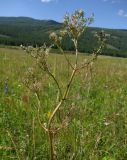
<point x="27" y="30"/>
<point x="49" y="20"/>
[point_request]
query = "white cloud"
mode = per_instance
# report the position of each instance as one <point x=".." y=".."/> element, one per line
<point x="112" y="1"/>
<point x="116" y="1"/>
<point x="122" y="13"/>
<point x="46" y="1"/>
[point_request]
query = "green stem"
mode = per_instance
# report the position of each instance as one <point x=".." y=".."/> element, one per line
<point x="50" y="135"/>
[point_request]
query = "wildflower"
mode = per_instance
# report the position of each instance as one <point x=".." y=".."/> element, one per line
<point x="107" y="123"/>
<point x="19" y="85"/>
<point x="49" y="114"/>
<point x="45" y="124"/>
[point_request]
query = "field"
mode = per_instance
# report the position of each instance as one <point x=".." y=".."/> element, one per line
<point x="97" y="127"/>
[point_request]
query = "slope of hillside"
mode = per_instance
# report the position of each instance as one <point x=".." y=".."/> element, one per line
<point x="29" y="31"/>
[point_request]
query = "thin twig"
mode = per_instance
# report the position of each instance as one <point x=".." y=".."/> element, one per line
<point x="95" y="54"/>
<point x="56" y="81"/>
<point x="54" y="78"/>
<point x="62" y="51"/>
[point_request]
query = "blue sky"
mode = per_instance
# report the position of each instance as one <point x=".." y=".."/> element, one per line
<point x="108" y="13"/>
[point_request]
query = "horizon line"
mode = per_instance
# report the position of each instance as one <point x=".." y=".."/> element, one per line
<point x="59" y="22"/>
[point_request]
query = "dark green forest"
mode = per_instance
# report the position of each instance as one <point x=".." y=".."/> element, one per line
<point x="15" y="31"/>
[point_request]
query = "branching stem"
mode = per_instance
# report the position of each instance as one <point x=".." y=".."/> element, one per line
<point x="62" y="51"/>
<point x="58" y="86"/>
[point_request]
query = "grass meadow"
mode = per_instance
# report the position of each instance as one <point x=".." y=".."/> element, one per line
<point x="98" y="99"/>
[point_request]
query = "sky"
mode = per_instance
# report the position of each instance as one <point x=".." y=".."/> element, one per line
<point x="108" y="13"/>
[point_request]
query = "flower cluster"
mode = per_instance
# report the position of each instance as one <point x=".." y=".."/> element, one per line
<point x="76" y="23"/>
<point x="101" y="36"/>
<point x="31" y="81"/>
<point x="40" y="54"/>
<point x="57" y="38"/>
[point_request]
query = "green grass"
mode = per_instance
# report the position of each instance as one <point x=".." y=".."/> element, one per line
<point x="98" y="127"/>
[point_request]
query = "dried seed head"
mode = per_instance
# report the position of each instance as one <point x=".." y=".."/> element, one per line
<point x="63" y="33"/>
<point x="81" y="13"/>
<point x="76" y="23"/>
<point x="36" y="87"/>
<point x="101" y="36"/>
<point x="53" y="36"/>
<point x="56" y="38"/>
<point x="30" y="71"/>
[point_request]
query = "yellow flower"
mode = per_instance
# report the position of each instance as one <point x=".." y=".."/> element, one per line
<point x="49" y="114"/>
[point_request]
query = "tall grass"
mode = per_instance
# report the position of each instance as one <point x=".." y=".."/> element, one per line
<point x="98" y="129"/>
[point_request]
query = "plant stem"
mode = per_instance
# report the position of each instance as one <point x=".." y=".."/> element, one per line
<point x="76" y="50"/>
<point x="63" y="99"/>
<point x="69" y="63"/>
<point x="69" y="83"/>
<point x="50" y="135"/>
<point x="55" y="82"/>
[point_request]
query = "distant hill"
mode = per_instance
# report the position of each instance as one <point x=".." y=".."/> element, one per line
<point x="28" y="31"/>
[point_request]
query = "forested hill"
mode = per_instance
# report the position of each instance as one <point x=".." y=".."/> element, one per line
<point x="28" y="31"/>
